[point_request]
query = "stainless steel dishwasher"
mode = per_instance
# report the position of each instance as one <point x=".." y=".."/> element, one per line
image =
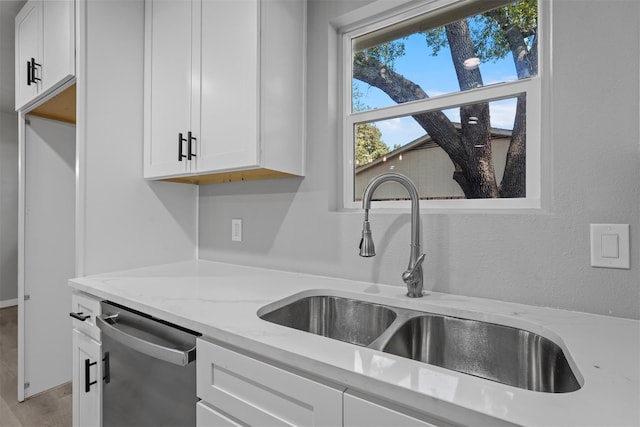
<point x="149" y="370"/>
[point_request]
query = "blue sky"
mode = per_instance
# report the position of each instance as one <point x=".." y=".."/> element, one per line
<point x="436" y="76"/>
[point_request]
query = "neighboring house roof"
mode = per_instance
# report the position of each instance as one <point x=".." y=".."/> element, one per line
<point x="424" y="142"/>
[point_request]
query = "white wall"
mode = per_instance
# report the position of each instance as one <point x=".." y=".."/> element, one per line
<point x="124" y="221"/>
<point x="8" y="11"/>
<point x="8" y="208"/>
<point x="538" y="259"/>
<point x="8" y="157"/>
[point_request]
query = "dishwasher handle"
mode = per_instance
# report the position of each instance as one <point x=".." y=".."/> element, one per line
<point x="166" y="354"/>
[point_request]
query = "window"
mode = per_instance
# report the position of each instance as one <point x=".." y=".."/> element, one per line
<point x="449" y="94"/>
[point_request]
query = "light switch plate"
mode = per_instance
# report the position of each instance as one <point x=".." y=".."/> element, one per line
<point x="236" y="230"/>
<point x="610" y="245"/>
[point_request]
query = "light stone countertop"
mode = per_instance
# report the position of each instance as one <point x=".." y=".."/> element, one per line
<point x="221" y="301"/>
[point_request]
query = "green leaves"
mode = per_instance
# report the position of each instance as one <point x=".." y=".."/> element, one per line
<point x="369" y="145"/>
<point x="488" y="30"/>
<point x="386" y="53"/>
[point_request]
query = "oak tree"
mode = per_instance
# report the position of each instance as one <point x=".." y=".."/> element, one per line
<point x="511" y="29"/>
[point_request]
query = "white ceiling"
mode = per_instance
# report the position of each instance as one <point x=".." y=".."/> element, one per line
<point x="8" y="11"/>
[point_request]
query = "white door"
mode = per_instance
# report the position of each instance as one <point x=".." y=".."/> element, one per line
<point x="49" y="253"/>
<point x="230" y="85"/>
<point x="28" y="45"/>
<point x="58" y="64"/>
<point x="168" y="86"/>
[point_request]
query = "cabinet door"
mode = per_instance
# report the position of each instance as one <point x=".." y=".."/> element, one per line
<point x="256" y="393"/>
<point x="360" y="412"/>
<point x="230" y="85"/>
<point x="58" y="63"/>
<point x="28" y="45"/>
<point x="87" y="359"/>
<point x="206" y="416"/>
<point x="169" y="77"/>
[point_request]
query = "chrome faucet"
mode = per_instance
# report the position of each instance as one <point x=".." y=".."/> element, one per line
<point x="413" y="275"/>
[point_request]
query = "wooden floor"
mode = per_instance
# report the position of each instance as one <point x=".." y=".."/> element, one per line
<point x="49" y="409"/>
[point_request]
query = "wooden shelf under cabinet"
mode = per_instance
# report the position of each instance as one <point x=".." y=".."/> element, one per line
<point x="61" y="107"/>
<point x="217" y="178"/>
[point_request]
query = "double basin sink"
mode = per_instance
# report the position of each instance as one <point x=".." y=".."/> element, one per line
<point x="505" y="354"/>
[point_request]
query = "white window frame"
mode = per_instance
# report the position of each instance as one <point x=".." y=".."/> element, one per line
<point x="537" y="89"/>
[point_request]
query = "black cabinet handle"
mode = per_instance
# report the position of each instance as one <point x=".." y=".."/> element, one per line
<point x="87" y="366"/>
<point x="180" y="141"/>
<point x="190" y="144"/>
<point x="87" y="372"/>
<point x="80" y="316"/>
<point x="29" y="73"/>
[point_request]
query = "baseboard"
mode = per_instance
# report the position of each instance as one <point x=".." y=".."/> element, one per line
<point x="8" y="303"/>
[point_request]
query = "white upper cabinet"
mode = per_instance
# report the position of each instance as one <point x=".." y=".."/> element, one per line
<point x="168" y="86"/>
<point x="28" y="48"/>
<point x="59" y="56"/>
<point x="45" y="48"/>
<point x="224" y="89"/>
<point x="230" y="99"/>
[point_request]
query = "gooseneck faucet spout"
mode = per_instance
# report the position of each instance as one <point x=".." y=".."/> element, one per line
<point x="413" y="275"/>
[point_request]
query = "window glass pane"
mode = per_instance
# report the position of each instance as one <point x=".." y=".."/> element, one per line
<point x="405" y="62"/>
<point x="424" y="145"/>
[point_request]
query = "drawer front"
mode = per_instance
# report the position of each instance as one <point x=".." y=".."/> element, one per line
<point x="206" y="416"/>
<point x="359" y="412"/>
<point x="85" y="305"/>
<point x="257" y="393"/>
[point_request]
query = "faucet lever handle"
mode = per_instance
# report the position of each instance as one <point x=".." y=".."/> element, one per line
<point x="413" y="279"/>
<point x="417" y="264"/>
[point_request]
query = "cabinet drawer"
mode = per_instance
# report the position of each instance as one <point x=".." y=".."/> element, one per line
<point x="257" y="393"/>
<point x="206" y="416"/>
<point x="361" y="412"/>
<point x="85" y="305"/>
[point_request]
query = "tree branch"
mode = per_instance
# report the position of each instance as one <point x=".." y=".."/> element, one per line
<point x="515" y="38"/>
<point x="401" y="90"/>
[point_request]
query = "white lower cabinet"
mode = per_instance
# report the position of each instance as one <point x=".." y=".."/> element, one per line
<point x="87" y="381"/>
<point x="84" y="310"/>
<point x="87" y="371"/>
<point x="239" y="390"/>
<point x="207" y="416"/>
<point x="236" y="389"/>
<point x="362" y="412"/>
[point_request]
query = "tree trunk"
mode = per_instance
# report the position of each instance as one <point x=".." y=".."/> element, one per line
<point x="475" y="119"/>
<point x="514" y="179"/>
<point x="514" y="182"/>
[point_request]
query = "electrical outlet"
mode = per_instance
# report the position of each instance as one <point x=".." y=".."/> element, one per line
<point x="236" y="230"/>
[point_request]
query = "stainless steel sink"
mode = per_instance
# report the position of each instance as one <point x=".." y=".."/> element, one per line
<point x="344" y="319"/>
<point x="508" y="355"/>
<point x="499" y="353"/>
